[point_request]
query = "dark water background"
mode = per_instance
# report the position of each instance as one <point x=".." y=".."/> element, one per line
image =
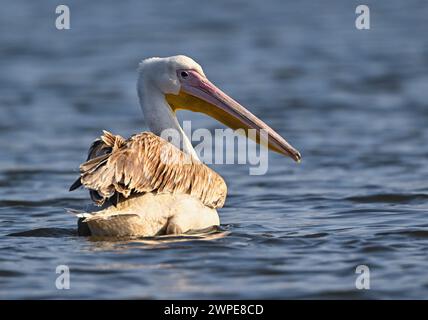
<point x="355" y="103"/>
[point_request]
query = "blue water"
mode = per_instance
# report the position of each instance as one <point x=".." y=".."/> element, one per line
<point x="355" y="103"/>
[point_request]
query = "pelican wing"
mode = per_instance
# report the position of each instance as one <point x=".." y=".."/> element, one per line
<point x="146" y="163"/>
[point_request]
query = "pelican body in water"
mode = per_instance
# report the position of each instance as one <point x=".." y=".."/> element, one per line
<point x="146" y="186"/>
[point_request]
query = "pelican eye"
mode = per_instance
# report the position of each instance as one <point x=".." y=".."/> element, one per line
<point x="184" y="74"/>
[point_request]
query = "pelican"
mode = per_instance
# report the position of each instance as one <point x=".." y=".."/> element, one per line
<point x="147" y="186"/>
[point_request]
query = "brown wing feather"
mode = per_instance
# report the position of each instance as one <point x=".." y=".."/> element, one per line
<point x="147" y="163"/>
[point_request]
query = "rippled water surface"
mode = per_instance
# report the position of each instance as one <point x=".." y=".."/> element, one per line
<point x="355" y="103"/>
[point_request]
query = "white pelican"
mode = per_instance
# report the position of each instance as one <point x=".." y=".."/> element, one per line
<point x="140" y="193"/>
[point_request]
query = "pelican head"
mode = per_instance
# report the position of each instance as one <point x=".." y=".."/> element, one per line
<point x="180" y="83"/>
